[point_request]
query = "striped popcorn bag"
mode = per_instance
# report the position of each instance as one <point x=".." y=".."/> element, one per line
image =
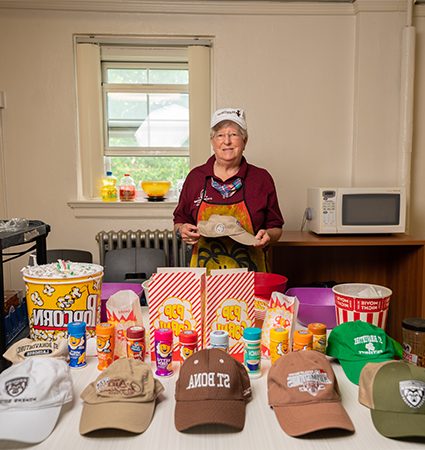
<point x="230" y="306"/>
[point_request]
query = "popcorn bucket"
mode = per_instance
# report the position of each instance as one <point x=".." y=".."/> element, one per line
<point x="53" y="302"/>
<point x="365" y="302"/>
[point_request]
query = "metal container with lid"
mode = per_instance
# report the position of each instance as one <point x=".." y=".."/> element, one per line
<point x="414" y="341"/>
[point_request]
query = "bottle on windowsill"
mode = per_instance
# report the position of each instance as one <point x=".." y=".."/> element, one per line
<point x="127" y="189"/>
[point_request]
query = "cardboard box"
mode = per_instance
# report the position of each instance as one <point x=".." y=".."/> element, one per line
<point x="230" y="306"/>
<point x="177" y="301"/>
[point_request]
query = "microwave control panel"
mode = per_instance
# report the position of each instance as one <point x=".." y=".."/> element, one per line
<point x="328" y="208"/>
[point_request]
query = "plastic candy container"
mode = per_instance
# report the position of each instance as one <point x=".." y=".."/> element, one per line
<point x="105" y="342"/>
<point x="109" y="189"/>
<point x="219" y="339"/>
<point x="319" y="336"/>
<point x="279" y="344"/>
<point x="303" y="340"/>
<point x="414" y="341"/>
<point x="252" y="351"/>
<point x="77" y="345"/>
<point x="188" y="344"/>
<point x="127" y="189"/>
<point x="164" y="352"/>
<point x="136" y="345"/>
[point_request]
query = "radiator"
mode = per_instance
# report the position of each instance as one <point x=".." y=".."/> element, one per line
<point x="177" y="253"/>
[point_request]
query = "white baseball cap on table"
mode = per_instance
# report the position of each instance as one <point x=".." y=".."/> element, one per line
<point x="234" y="115"/>
<point x="31" y="397"/>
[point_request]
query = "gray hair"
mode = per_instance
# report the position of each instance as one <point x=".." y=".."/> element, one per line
<point x="226" y="123"/>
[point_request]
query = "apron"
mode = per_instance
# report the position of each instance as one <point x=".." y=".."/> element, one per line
<point x="225" y="253"/>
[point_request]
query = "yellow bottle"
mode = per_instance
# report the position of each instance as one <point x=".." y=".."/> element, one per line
<point x="109" y="190"/>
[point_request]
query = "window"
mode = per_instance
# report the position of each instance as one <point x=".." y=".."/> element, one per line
<point x="144" y="109"/>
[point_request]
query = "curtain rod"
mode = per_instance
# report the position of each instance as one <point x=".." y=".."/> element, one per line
<point x="166" y="42"/>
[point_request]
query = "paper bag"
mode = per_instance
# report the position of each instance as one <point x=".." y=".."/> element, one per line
<point x="230" y="306"/>
<point x="124" y="311"/>
<point x="282" y="312"/>
<point x="176" y="301"/>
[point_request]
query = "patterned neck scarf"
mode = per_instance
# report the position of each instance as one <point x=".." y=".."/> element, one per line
<point x="227" y="190"/>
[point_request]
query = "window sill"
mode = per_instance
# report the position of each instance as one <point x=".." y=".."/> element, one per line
<point x="94" y="209"/>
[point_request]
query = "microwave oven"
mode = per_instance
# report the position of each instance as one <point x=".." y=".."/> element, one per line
<point x="355" y="210"/>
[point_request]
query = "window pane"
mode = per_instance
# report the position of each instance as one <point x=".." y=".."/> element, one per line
<point x="150" y="168"/>
<point x="167" y="124"/>
<point x="168" y="76"/>
<point x="127" y="76"/>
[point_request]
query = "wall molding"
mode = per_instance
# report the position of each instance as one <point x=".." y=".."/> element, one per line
<point x="231" y="7"/>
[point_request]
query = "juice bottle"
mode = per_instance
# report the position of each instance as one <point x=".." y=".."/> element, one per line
<point x="127" y="189"/>
<point x="109" y="189"/>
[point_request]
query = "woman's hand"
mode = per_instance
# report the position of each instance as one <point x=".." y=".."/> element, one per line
<point x="189" y="233"/>
<point x="267" y="237"/>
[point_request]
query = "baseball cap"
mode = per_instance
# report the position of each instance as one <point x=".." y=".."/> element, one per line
<point x="357" y="343"/>
<point x="303" y="391"/>
<point x="27" y="348"/>
<point x="123" y="396"/>
<point x="395" y="393"/>
<point x="235" y="115"/>
<point x="31" y="397"/>
<point x="212" y="389"/>
<point x="220" y="226"/>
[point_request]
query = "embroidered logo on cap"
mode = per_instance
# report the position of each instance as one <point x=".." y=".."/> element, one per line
<point x="220" y="228"/>
<point x="118" y="386"/>
<point x="311" y="381"/>
<point x="413" y="393"/>
<point x="369" y="341"/>
<point x="16" y="386"/>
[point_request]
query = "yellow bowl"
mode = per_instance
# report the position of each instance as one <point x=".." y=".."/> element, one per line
<point x="155" y="188"/>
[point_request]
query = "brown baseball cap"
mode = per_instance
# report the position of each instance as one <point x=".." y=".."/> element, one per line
<point x="123" y="396"/>
<point x="304" y="394"/>
<point x="219" y="226"/>
<point x="212" y="388"/>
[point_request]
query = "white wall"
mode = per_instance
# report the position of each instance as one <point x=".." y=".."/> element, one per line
<point x="320" y="88"/>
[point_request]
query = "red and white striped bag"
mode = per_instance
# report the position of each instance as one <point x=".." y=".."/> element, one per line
<point x="176" y="301"/>
<point x="230" y="306"/>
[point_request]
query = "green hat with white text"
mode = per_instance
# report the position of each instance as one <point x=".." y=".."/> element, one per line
<point x="357" y="343"/>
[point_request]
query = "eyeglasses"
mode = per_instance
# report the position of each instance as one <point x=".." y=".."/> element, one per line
<point x="232" y="136"/>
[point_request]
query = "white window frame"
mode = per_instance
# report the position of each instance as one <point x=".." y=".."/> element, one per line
<point x="90" y="115"/>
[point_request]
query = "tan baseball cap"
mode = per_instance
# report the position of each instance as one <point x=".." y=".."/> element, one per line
<point x="219" y="226"/>
<point x="232" y="114"/>
<point x="123" y="396"/>
<point x="212" y="389"/>
<point x="27" y="348"/>
<point x="304" y="394"/>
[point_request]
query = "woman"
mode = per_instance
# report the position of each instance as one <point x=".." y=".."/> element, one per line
<point x="227" y="185"/>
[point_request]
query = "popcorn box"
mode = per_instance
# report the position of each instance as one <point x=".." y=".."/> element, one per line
<point x="176" y="301"/>
<point x="230" y="306"/>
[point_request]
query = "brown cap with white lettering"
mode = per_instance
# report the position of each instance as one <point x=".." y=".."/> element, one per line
<point x="303" y="391"/>
<point x="212" y="388"/>
<point x="123" y="396"/>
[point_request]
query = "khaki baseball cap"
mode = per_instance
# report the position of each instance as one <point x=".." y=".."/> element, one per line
<point x="395" y="393"/>
<point x="219" y="226"/>
<point x="212" y="389"/>
<point x="123" y="396"/>
<point x="232" y="114"/>
<point x="304" y="394"/>
<point x="27" y="348"/>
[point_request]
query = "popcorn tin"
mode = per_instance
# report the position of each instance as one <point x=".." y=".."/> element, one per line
<point x="60" y="293"/>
